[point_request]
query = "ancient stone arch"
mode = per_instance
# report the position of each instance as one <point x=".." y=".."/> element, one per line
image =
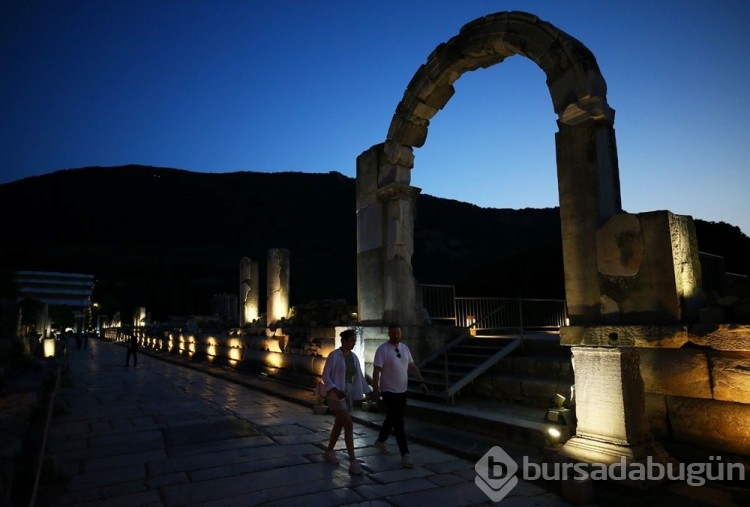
<point x="586" y="157"/>
<point x="620" y="269"/>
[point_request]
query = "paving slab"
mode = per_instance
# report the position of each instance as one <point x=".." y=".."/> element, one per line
<point x="173" y="432"/>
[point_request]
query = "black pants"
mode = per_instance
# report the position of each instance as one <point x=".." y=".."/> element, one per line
<point x="131" y="351"/>
<point x="395" y="404"/>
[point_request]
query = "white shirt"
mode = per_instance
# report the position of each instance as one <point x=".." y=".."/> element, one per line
<point x="394" y="377"/>
<point x="334" y="372"/>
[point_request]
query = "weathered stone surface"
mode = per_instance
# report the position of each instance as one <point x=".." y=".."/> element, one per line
<point x="394" y="174"/>
<point x="730" y="372"/>
<point x="610" y="404"/>
<point x="656" y="413"/>
<point x="399" y="154"/>
<point x="666" y="287"/>
<point x="539" y="388"/>
<point x="682" y="372"/>
<point x="721" y="336"/>
<point x="506" y="387"/>
<point x="671" y="336"/>
<point x="619" y="244"/>
<point x="712" y="424"/>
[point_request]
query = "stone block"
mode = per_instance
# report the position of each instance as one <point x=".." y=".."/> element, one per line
<point x="712" y="424"/>
<point x="676" y="372"/>
<point x="731" y="376"/>
<point x="393" y="173"/>
<point x="399" y="154"/>
<point x="651" y="273"/>
<point x="536" y="388"/>
<point x="721" y="336"/>
<point x="611" y="408"/>
<point x="506" y="387"/>
<point x="669" y="336"/>
<point x="656" y="413"/>
<point x="367" y="172"/>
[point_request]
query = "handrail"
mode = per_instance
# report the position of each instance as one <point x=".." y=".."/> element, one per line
<point x="475" y="324"/>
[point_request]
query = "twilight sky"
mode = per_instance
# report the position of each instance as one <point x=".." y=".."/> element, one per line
<point x="308" y="85"/>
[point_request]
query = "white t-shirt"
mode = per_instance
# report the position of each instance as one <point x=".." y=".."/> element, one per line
<point x="394" y="376"/>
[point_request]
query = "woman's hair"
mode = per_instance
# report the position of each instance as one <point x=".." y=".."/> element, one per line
<point x="346" y="333"/>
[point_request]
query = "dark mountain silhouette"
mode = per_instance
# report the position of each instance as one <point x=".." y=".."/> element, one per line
<point x="169" y="239"/>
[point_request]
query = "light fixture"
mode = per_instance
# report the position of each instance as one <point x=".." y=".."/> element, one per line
<point x="559" y="431"/>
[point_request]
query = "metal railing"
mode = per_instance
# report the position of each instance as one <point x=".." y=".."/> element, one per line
<point x="493" y="313"/>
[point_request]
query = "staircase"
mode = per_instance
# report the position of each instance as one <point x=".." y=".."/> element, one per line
<point x="499" y="385"/>
<point x="457" y="364"/>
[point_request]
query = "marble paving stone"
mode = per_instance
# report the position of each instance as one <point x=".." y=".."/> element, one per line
<point x="285" y="430"/>
<point x="108" y="477"/>
<point x="371" y="491"/>
<point x="197" y="462"/>
<point x="131" y="437"/>
<point x="246" y="467"/>
<point x="97" y="452"/>
<point x="243" y="484"/>
<point x="455" y="495"/>
<point x="122" y="460"/>
<point x="159" y="481"/>
<point x="235" y="445"/>
<point x="171" y="435"/>
<point x="303" y="438"/>
<point x="445" y="479"/>
<point x="229" y="429"/>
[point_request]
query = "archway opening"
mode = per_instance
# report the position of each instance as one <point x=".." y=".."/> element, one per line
<point x="493" y="146"/>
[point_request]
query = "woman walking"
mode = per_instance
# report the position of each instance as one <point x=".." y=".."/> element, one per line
<point x="344" y="383"/>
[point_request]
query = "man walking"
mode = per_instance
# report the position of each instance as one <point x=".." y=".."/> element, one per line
<point x="132" y="349"/>
<point x="391" y="366"/>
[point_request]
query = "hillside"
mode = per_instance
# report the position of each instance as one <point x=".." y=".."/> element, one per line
<point x="169" y="239"/>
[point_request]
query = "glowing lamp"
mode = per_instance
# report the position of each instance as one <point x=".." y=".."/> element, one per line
<point x="49" y="347"/>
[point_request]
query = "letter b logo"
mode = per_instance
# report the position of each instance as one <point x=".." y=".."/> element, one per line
<point x="496" y="474"/>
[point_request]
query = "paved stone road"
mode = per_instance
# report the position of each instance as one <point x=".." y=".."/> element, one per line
<point x="165" y="435"/>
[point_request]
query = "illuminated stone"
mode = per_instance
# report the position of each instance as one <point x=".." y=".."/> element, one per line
<point x="277" y="285"/>
<point x="249" y="295"/>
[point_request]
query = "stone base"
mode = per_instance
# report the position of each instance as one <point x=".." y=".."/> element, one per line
<point x="651" y="456"/>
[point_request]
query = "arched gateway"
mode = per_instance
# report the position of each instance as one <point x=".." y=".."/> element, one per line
<point x="619" y="268"/>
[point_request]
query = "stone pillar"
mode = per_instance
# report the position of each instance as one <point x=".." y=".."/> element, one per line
<point x="400" y="287"/>
<point x="277" y="285"/>
<point x="386" y="206"/>
<point x="249" y="296"/>
<point x="140" y="317"/>
<point x="611" y="409"/>
<point x="589" y="188"/>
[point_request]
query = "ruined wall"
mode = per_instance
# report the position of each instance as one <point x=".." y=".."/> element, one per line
<point x="696" y="379"/>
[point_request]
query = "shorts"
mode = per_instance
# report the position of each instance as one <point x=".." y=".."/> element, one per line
<point x="335" y="404"/>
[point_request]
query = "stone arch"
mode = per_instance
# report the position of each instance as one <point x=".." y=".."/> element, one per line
<point x="588" y="174"/>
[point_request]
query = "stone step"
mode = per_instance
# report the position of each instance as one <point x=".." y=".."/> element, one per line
<point x="502" y="420"/>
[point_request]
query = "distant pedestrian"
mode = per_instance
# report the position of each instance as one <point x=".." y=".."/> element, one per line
<point x="344" y="383"/>
<point x="132" y="351"/>
<point x="391" y="366"/>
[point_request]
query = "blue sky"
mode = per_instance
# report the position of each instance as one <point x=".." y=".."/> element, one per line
<point x="308" y="85"/>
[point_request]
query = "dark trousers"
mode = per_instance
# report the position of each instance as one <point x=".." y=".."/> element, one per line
<point x="395" y="404"/>
<point x="131" y="352"/>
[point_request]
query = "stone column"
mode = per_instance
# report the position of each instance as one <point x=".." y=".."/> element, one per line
<point x="249" y="296"/>
<point x="611" y="409"/>
<point x="386" y="204"/>
<point x="589" y="188"/>
<point x="400" y="287"/>
<point x="277" y="285"/>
